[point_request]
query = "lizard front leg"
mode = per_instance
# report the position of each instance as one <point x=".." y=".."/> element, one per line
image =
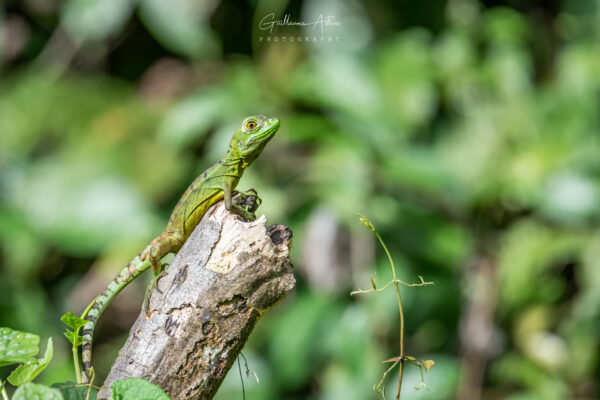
<point x="161" y="245"/>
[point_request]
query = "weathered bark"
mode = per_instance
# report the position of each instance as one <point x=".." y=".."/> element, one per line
<point x="226" y="275"/>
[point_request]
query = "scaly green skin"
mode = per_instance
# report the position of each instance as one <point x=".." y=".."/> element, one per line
<point x="212" y="185"/>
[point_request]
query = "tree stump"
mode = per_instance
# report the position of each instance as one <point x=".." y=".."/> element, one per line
<point x="228" y="273"/>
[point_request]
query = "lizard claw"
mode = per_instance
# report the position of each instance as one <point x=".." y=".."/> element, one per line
<point x="153" y="286"/>
<point x="162" y="272"/>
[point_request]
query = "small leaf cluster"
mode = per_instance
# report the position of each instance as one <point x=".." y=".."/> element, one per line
<point x="75" y="323"/>
<point x="18" y="347"/>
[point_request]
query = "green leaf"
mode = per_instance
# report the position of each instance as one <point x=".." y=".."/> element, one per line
<point x="75" y="391"/>
<point x="33" y="391"/>
<point x="137" y="389"/>
<point x="17" y="347"/>
<point x="70" y="335"/>
<point x="73" y="321"/>
<point x="28" y="371"/>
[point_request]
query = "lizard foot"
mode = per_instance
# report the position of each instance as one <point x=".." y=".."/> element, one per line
<point x="152" y="255"/>
<point x="251" y="199"/>
<point x="159" y="247"/>
<point x="246" y="203"/>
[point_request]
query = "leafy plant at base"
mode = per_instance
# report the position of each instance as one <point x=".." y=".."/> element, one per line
<point x="128" y="389"/>
<point x="401" y="358"/>
<point x="18" y="347"/>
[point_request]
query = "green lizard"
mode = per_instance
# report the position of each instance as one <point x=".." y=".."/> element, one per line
<point x="214" y="184"/>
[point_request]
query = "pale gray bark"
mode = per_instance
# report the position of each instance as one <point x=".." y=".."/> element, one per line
<point x="226" y="275"/>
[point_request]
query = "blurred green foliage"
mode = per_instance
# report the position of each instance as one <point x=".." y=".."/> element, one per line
<point x="468" y="132"/>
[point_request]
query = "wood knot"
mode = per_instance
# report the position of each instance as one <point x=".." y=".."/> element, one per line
<point x="280" y="234"/>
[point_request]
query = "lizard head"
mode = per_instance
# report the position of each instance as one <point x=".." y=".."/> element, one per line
<point x="254" y="133"/>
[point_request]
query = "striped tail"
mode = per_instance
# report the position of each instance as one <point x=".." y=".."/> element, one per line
<point x="127" y="274"/>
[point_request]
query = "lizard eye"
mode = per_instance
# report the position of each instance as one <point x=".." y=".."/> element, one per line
<point x="251" y="125"/>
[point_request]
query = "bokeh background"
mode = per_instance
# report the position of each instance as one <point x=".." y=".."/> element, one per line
<point x="468" y="131"/>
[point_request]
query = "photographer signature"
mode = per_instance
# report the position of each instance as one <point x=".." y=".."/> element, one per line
<point x="268" y="22"/>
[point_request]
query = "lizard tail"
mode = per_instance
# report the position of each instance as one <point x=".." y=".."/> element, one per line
<point x="127" y="274"/>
